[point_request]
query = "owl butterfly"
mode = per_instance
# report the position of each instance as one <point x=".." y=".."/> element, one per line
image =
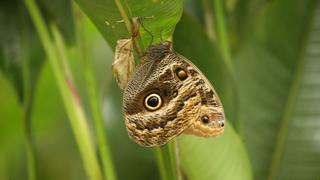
<point x="167" y="95"/>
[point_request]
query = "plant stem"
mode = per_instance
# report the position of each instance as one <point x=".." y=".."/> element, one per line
<point x="28" y="94"/>
<point x="222" y="38"/>
<point x="76" y="113"/>
<point x="30" y="146"/>
<point x="95" y="104"/>
<point x="3" y="166"/>
<point x="208" y="18"/>
<point x="30" y="149"/>
<point x="68" y="91"/>
<point x="139" y="47"/>
<point x="222" y="34"/>
<point x="124" y="16"/>
<point x="167" y="161"/>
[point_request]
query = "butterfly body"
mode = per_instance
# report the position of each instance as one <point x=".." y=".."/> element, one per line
<point x="167" y="95"/>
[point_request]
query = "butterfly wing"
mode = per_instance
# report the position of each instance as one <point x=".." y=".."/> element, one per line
<point x="211" y="119"/>
<point x="180" y="102"/>
<point x="123" y="64"/>
<point x="189" y="104"/>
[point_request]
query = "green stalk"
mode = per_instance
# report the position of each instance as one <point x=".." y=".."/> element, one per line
<point x="76" y="113"/>
<point x="30" y="148"/>
<point x="208" y="18"/>
<point x="167" y="161"/>
<point x="95" y="103"/>
<point x="28" y="94"/>
<point x="4" y="172"/>
<point x="139" y="47"/>
<point x="222" y="38"/>
<point x="68" y="91"/>
<point x="222" y="34"/>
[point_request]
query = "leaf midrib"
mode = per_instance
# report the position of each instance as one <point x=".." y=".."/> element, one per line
<point x="290" y="104"/>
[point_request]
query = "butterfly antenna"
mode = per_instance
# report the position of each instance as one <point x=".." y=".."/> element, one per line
<point x="141" y="23"/>
<point x="161" y="35"/>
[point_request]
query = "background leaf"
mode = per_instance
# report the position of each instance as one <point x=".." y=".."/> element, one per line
<point x="276" y="91"/>
<point x="214" y="158"/>
<point x="21" y="55"/>
<point x="11" y="115"/>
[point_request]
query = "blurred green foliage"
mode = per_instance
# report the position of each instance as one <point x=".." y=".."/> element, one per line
<point x="272" y="101"/>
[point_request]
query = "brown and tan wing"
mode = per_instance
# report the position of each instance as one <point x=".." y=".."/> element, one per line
<point x="123" y="64"/>
<point x="155" y="79"/>
<point x="167" y="95"/>
<point x="211" y="119"/>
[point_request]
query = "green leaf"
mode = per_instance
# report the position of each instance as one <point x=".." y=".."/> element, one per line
<point x="160" y="17"/>
<point x="53" y="134"/>
<point x="243" y="17"/>
<point x="11" y="115"/>
<point x="21" y="59"/>
<point x="207" y="158"/>
<point x="59" y="11"/>
<point x="21" y="55"/>
<point x="278" y="71"/>
<point x="214" y="158"/>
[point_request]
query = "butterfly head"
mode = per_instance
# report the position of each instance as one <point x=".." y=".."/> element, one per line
<point x="158" y="51"/>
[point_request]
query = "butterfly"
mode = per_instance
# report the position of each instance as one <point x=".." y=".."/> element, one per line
<point x="167" y="95"/>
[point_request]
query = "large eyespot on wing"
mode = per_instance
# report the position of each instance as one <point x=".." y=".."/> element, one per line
<point x="153" y="102"/>
<point x="157" y="127"/>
